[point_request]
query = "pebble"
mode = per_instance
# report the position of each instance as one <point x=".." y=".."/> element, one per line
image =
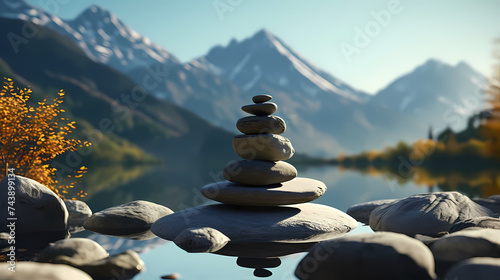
<point x="261" y="98"/>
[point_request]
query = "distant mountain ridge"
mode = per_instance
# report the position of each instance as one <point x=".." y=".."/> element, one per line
<point x="325" y="116"/>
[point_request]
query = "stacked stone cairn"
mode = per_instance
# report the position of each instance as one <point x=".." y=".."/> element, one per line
<point x="263" y="178"/>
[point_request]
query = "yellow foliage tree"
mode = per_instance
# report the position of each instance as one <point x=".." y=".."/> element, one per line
<point x="32" y="137"/>
<point x="490" y="128"/>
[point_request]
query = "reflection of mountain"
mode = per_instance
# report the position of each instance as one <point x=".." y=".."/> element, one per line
<point x="324" y="114"/>
<point x="100" y="97"/>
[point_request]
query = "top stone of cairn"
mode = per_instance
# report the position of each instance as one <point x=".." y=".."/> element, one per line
<point x="261" y="98"/>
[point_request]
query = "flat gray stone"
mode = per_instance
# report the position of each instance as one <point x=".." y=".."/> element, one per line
<point x="201" y="240"/>
<point x="41" y="271"/>
<point x="475" y="269"/>
<point x="263" y="147"/>
<point x="361" y="212"/>
<point x="261" y="125"/>
<point x="260" y="109"/>
<point x="480" y="222"/>
<point x="128" y="219"/>
<point x="383" y="255"/>
<point x="297" y="223"/>
<point x="298" y="190"/>
<point x="261" y="98"/>
<point x="117" y="267"/>
<point x="259" y="172"/>
<point x="427" y="214"/>
<point x="80" y="250"/>
<point x="466" y="244"/>
<point x="37" y="208"/>
<point x="258" y="262"/>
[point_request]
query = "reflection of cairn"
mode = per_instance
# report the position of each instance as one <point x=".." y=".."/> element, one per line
<point x="263" y="178"/>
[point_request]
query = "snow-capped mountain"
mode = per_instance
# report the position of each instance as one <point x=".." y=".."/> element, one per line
<point x="436" y="93"/>
<point x="100" y="34"/>
<point x="263" y="61"/>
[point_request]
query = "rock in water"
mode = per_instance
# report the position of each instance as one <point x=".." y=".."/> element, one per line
<point x="466" y="244"/>
<point x="383" y="255"/>
<point x="126" y="219"/>
<point x="298" y="190"/>
<point x="263" y="147"/>
<point x="480" y="222"/>
<point x="79" y="250"/>
<point x="426" y="214"/>
<point x="475" y="269"/>
<point x="261" y="98"/>
<point x="201" y="240"/>
<point x="78" y="212"/>
<point x="307" y="222"/>
<point x="260" y="109"/>
<point x="37" y="208"/>
<point x="361" y="212"/>
<point x="259" y="172"/>
<point x="41" y="271"/>
<point x="261" y="125"/>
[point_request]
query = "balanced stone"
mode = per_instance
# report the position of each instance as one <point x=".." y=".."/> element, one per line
<point x="383" y="255"/>
<point x="302" y="222"/>
<point x="298" y="190"/>
<point x="261" y="125"/>
<point x="427" y="214"/>
<point x="263" y="147"/>
<point x="261" y="98"/>
<point x="260" y="109"/>
<point x="259" y="172"/>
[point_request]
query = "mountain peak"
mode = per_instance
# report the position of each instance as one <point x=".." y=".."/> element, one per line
<point x="95" y="12"/>
<point x="263" y="34"/>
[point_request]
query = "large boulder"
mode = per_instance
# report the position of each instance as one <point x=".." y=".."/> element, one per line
<point x="382" y="255"/>
<point x="361" y="211"/>
<point x="80" y="250"/>
<point x="127" y="220"/>
<point x="41" y="271"/>
<point x="464" y="244"/>
<point x="427" y="214"/>
<point x="475" y="269"/>
<point x="37" y="208"/>
<point x="300" y="222"/>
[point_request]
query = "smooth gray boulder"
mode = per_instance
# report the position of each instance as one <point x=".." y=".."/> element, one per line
<point x="361" y="211"/>
<point x="382" y="255"/>
<point x="298" y="190"/>
<point x="492" y="203"/>
<point x="37" y="208"/>
<point x="41" y="271"/>
<point x="118" y="267"/>
<point x="259" y="172"/>
<point x="201" y="240"/>
<point x="464" y="244"/>
<point x="263" y="147"/>
<point x="127" y="220"/>
<point x="302" y="222"/>
<point x="475" y="269"/>
<point x="79" y="250"/>
<point x="261" y="124"/>
<point x="480" y="222"/>
<point x="78" y="212"/>
<point x="427" y="214"/>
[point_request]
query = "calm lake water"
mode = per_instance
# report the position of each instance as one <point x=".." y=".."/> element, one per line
<point x="171" y="187"/>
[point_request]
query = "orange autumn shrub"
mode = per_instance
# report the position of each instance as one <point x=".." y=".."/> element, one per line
<point x="31" y="137"/>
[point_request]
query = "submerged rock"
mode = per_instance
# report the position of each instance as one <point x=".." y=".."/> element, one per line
<point x="127" y="220"/>
<point x="301" y="222"/>
<point x="383" y="255"/>
<point x="426" y="214"/>
<point x="37" y="208"/>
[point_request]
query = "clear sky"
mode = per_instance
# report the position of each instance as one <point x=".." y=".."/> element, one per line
<point x="448" y="30"/>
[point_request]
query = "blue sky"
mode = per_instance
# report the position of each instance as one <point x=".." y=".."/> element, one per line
<point x="321" y="31"/>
